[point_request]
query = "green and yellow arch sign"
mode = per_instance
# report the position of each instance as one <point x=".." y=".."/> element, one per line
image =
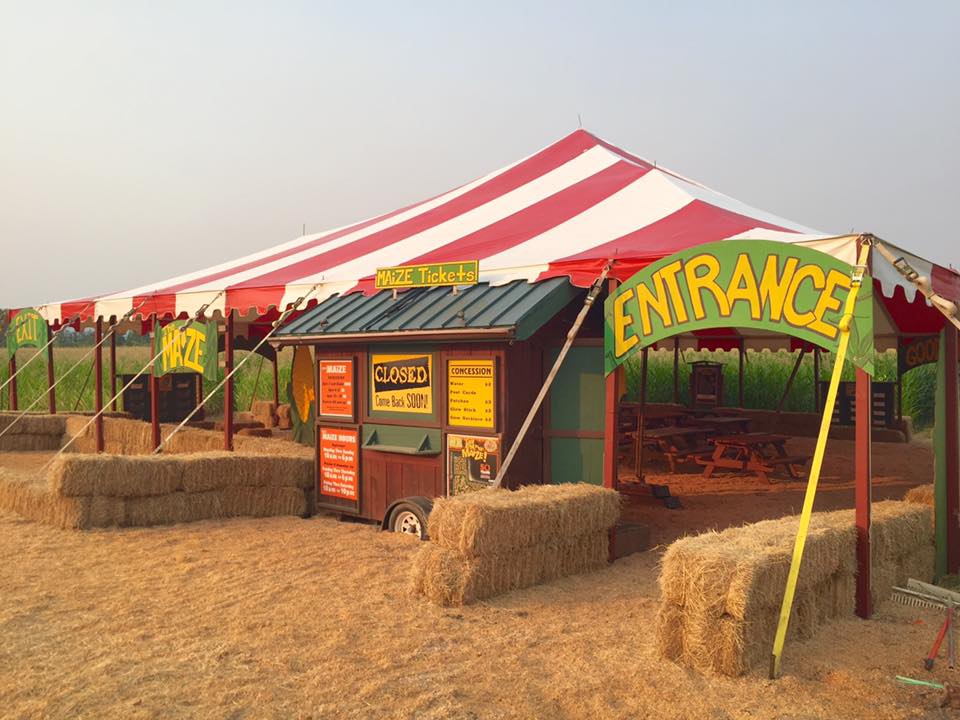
<point x="26" y="329"/>
<point x="772" y="286"/>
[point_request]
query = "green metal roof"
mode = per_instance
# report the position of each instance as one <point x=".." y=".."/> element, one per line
<point x="517" y="310"/>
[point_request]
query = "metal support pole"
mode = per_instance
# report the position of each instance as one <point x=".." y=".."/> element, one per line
<point x="113" y="366"/>
<point x="740" y="376"/>
<point x="611" y="424"/>
<point x="676" y="371"/>
<point x="12" y="387"/>
<point x="864" y="490"/>
<point x="154" y="391"/>
<point x="228" y="388"/>
<point x="51" y="377"/>
<point x="98" y="386"/>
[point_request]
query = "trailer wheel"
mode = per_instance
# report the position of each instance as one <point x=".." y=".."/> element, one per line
<point x="409" y="519"/>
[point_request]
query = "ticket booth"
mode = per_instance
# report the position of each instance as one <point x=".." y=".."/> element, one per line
<point x="419" y="395"/>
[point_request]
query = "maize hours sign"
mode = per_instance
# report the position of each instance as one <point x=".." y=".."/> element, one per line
<point x="771" y="286"/>
<point x="27" y="329"/>
<point x="186" y="349"/>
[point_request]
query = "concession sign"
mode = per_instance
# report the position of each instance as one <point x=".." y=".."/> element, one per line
<point x="759" y="284"/>
<point x="470" y="392"/>
<point x="339" y="462"/>
<point x="26" y="329"/>
<point x="185" y="348"/>
<point x="402" y="383"/>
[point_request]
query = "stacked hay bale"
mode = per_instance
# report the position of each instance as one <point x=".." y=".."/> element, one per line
<point x="31" y="432"/>
<point x="113" y="490"/>
<point x="721" y="592"/>
<point x="922" y="494"/>
<point x="494" y="541"/>
<point x="265" y="412"/>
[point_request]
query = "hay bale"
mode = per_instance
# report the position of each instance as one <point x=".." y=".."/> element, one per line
<point x="922" y="495"/>
<point x="114" y="475"/>
<point x="284" y="420"/>
<point x="255" y="432"/>
<point x="265" y="411"/>
<point x="32" y="424"/>
<point x="31" y="499"/>
<point x="721" y="592"/>
<point x="492" y="522"/>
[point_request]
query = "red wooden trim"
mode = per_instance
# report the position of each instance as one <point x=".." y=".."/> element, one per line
<point x="863" y="492"/>
<point x="51" y="377"/>
<point x="98" y="386"/>
<point x="154" y="392"/>
<point x="228" y="388"/>
<point x="113" y="366"/>
<point x="12" y="387"/>
<point x="952" y="450"/>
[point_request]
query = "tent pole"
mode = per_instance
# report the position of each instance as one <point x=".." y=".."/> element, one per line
<point x="276" y="379"/>
<point x="154" y="391"/>
<point x="545" y="388"/>
<point x="98" y="385"/>
<point x="863" y="490"/>
<point x="228" y="388"/>
<point x="113" y="365"/>
<point x="740" y="376"/>
<point x="676" y="370"/>
<point x="611" y="426"/>
<point x="12" y="387"/>
<point x="51" y="377"/>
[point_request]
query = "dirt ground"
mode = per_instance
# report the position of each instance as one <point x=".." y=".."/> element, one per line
<point x="292" y="618"/>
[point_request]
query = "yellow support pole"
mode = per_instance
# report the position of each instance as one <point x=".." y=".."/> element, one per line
<point x="844" y="325"/>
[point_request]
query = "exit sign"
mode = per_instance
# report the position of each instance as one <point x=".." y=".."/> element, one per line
<point x="428" y="275"/>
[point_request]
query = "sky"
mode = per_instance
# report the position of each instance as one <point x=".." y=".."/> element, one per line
<point x="139" y="141"/>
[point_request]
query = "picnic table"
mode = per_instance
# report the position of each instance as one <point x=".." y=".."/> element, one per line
<point x="677" y="443"/>
<point x="761" y="453"/>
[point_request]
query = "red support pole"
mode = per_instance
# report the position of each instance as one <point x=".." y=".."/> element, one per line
<point x="154" y="390"/>
<point x="113" y="366"/>
<point x="228" y="388"/>
<point x="12" y="387"/>
<point x="952" y="446"/>
<point x="51" y="376"/>
<point x="98" y="386"/>
<point x="611" y="420"/>
<point x="276" y="380"/>
<point x="864" y="491"/>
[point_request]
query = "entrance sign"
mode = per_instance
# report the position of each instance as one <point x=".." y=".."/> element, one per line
<point x="402" y="383"/>
<point x="916" y="351"/>
<point x="336" y="388"/>
<point x="26" y="329"/>
<point x="339" y="462"/>
<point x="471" y="387"/>
<point x="429" y="275"/>
<point x="772" y="286"/>
<point x="186" y="349"/>
<point x="472" y="462"/>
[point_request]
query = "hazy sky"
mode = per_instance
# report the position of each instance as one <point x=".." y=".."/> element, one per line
<point x="143" y="140"/>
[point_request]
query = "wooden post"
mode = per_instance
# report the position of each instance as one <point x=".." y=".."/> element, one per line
<point x="740" y="376"/>
<point x="113" y="365"/>
<point x="952" y="447"/>
<point x="611" y="419"/>
<point x="98" y="386"/>
<point x="228" y="387"/>
<point x="816" y="379"/>
<point x="51" y="376"/>
<point x="154" y="390"/>
<point x="276" y="380"/>
<point x="864" y="491"/>
<point x="676" y="370"/>
<point x="12" y="387"/>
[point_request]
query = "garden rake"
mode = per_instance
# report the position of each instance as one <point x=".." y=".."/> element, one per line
<point x="921" y="594"/>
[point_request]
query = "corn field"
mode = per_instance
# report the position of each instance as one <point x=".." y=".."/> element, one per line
<point x="76" y="390"/>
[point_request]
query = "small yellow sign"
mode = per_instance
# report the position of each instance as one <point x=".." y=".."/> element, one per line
<point x="428" y="275"/>
<point x="402" y="383"/>
<point x="471" y="387"/>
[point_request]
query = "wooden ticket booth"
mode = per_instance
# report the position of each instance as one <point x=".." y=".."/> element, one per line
<point x="419" y="394"/>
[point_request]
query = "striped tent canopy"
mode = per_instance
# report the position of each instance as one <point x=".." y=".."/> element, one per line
<point x="563" y="211"/>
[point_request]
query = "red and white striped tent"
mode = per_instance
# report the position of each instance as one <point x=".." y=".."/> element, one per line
<point x="563" y="211"/>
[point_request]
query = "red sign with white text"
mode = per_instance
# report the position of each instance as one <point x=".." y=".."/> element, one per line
<point x="336" y="388"/>
<point x="339" y="462"/>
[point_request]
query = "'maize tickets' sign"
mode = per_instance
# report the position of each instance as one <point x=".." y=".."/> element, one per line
<point x="428" y="275"/>
<point x="27" y="329"/>
<point x="772" y="286"/>
<point x="185" y="348"/>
